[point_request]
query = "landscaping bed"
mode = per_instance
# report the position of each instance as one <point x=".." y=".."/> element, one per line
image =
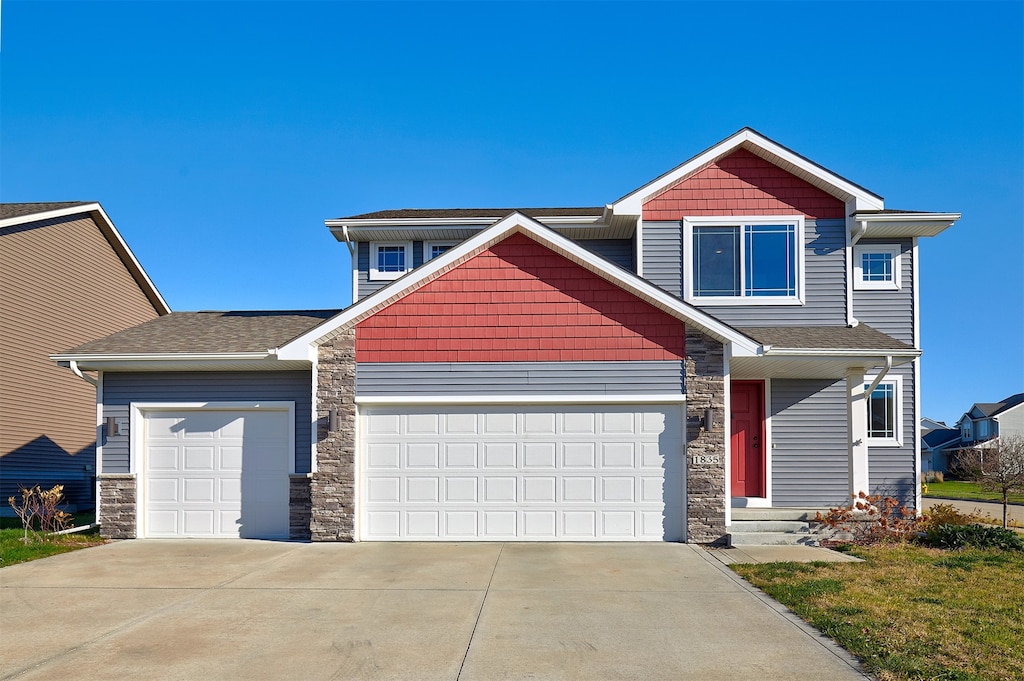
<point x="14" y="549"/>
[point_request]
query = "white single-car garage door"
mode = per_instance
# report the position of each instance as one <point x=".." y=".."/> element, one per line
<point x="609" y="472"/>
<point x="216" y="473"/>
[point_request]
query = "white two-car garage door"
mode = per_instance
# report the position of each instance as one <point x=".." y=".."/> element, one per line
<point x="609" y="472"/>
<point x="216" y="473"/>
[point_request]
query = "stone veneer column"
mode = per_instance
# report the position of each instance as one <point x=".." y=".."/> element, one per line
<point x="705" y="482"/>
<point x="332" y="486"/>
<point x="118" y="505"/>
<point x="300" y="506"/>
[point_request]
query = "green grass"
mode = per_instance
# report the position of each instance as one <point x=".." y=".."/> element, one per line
<point x="969" y="491"/>
<point x="13" y="550"/>
<point x="911" y="612"/>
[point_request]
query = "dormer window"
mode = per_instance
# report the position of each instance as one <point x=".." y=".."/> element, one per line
<point x="876" y="267"/>
<point x="744" y="260"/>
<point x="389" y="260"/>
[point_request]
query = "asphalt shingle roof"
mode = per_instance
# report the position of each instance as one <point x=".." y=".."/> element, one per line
<point x="209" y="332"/>
<point x="995" y="408"/>
<point x="405" y="213"/>
<point x="861" y="337"/>
<point x="18" y="210"/>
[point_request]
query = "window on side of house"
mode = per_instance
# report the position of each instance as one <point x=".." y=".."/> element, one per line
<point x="876" y="267"/>
<point x="983" y="428"/>
<point x="744" y="260"/>
<point x="885" y="412"/>
<point x="389" y="260"/>
<point x="432" y="249"/>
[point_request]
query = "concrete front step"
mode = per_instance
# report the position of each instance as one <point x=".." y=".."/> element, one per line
<point x="806" y="514"/>
<point x="772" y="539"/>
<point x="769" y="526"/>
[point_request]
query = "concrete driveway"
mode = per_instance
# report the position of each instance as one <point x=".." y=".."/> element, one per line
<point x="201" y="609"/>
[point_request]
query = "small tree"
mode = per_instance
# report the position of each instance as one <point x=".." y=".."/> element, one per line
<point x="997" y="467"/>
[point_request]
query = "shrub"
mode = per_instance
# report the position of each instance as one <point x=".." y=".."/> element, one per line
<point x="973" y="535"/>
<point x="871" y="519"/>
<point x="932" y="476"/>
<point x="945" y="514"/>
<point x="39" y="507"/>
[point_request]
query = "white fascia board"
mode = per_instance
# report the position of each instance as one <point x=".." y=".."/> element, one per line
<point x="840" y="352"/>
<point x="159" y="357"/>
<point x="632" y="203"/>
<point x="743" y="346"/>
<point x="110" y="231"/>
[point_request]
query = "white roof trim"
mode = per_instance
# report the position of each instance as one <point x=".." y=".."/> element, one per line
<point x="482" y="219"/>
<point x="107" y="226"/>
<point x="159" y="356"/>
<point x="303" y="346"/>
<point x="862" y="199"/>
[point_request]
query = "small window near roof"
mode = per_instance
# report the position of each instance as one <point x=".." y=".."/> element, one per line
<point x="389" y="260"/>
<point x="876" y="267"/>
<point x="432" y="249"/>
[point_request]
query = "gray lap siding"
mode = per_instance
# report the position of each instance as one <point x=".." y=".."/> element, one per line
<point x="520" y="378"/>
<point x="121" y="389"/>
<point x="810" y="459"/>
<point x="892" y="470"/>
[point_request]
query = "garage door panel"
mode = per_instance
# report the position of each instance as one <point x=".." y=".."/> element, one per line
<point x="535" y="473"/>
<point x="216" y="473"/>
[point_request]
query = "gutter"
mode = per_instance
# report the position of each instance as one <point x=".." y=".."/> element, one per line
<point x="348" y="241"/>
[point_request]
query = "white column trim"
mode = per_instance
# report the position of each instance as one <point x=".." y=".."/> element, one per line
<point x="857" y="430"/>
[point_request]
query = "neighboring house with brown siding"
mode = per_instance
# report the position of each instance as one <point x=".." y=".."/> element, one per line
<point x="66" y="276"/>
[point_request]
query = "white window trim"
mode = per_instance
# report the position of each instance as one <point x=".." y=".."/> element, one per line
<point x="739" y="220"/>
<point x="428" y="247"/>
<point x="859" y="284"/>
<point x="375" y="274"/>
<point x="897" y="383"/>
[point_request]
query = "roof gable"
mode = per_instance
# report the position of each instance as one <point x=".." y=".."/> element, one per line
<point x="518" y="301"/>
<point x="22" y="215"/>
<point x="304" y="346"/>
<point x="855" y="196"/>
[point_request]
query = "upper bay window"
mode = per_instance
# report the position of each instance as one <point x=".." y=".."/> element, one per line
<point x="876" y="267"/>
<point x="744" y="260"/>
<point x="389" y="260"/>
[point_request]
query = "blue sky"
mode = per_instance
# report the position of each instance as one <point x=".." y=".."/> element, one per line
<point x="219" y="136"/>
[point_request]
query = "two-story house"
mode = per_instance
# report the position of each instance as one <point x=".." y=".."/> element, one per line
<point x="986" y="421"/>
<point x="740" y="332"/>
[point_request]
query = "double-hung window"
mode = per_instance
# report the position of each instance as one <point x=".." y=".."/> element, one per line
<point x="744" y="260"/>
<point x="876" y="267"/>
<point x="389" y="260"/>
<point x="885" y="412"/>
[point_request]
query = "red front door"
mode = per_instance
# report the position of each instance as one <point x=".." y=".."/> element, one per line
<point x="748" y="474"/>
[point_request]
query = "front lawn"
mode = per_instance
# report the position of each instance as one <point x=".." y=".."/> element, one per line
<point x="969" y="491"/>
<point x="911" y="612"/>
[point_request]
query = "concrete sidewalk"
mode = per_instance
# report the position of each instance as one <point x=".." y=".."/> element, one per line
<point x="1014" y="511"/>
<point x="273" y="610"/>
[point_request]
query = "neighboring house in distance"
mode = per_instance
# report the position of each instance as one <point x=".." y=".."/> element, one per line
<point x="986" y="421"/>
<point x="938" y="443"/>
<point x="66" y="276"/>
<point x="739" y="333"/>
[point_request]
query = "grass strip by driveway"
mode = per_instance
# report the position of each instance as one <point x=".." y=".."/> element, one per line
<point x="968" y="491"/>
<point x="911" y="612"/>
<point x="13" y="550"/>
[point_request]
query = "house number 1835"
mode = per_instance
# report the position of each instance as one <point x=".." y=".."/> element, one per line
<point x="706" y="459"/>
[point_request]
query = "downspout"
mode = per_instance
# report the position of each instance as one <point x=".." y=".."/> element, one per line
<point x="860" y="228"/>
<point x="348" y="242"/>
<point x="880" y="376"/>
<point x="73" y="365"/>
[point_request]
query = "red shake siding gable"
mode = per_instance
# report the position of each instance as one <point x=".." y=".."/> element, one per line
<point x="742" y="184"/>
<point x="519" y="302"/>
